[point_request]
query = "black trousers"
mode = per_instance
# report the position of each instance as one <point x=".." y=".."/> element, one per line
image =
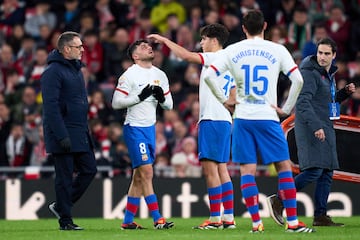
<point x="69" y="187"/>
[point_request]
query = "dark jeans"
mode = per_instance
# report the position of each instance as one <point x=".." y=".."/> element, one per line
<point x="323" y="180"/>
<point x="69" y="189"/>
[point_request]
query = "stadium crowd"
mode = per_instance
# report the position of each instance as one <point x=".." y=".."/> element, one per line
<point x="29" y="31"/>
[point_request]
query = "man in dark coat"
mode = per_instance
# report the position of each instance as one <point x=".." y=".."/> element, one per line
<point x="66" y="131"/>
<point x="316" y="107"/>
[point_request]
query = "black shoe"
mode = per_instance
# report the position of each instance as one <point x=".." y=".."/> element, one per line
<point x="325" y="221"/>
<point x="163" y="224"/>
<point x="70" y="226"/>
<point x="52" y="208"/>
<point x="276" y="209"/>
<point x="131" y="226"/>
<point x="300" y="228"/>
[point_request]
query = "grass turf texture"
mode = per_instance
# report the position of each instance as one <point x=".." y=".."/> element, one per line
<point x="98" y="229"/>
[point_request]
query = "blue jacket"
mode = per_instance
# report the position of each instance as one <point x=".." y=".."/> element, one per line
<point x="65" y="104"/>
<point x="312" y="113"/>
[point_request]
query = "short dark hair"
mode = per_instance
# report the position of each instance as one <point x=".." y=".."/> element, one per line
<point x="217" y="31"/>
<point x="133" y="47"/>
<point x="65" y="38"/>
<point x="253" y="21"/>
<point x="327" y="41"/>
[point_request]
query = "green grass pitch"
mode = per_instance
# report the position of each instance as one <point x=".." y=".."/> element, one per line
<point x="100" y="229"/>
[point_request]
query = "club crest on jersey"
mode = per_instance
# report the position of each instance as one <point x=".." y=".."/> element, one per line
<point x="121" y="80"/>
<point x="157" y="82"/>
<point x="144" y="157"/>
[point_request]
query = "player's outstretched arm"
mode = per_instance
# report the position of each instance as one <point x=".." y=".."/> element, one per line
<point x="178" y="50"/>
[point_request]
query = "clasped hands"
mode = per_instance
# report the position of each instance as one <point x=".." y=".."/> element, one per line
<point x="154" y="90"/>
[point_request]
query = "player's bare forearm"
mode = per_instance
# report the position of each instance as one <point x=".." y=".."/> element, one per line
<point x="178" y="50"/>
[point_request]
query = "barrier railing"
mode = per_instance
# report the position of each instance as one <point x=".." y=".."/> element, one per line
<point x="347" y="123"/>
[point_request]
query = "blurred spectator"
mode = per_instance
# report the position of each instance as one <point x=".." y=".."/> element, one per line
<point x="131" y="13"/>
<point x="102" y="144"/>
<point x="38" y="16"/>
<point x="170" y="117"/>
<point x="195" y="18"/>
<point x="99" y="108"/>
<point x="192" y="75"/>
<point x="12" y="12"/>
<point x="39" y="156"/>
<point x="319" y="10"/>
<point x="192" y="95"/>
<point x="36" y="68"/>
<point x="211" y="17"/>
<point x="104" y="13"/>
<point x="310" y="46"/>
<point x="278" y="34"/>
<point x="15" y="39"/>
<point x="14" y="88"/>
<point x="185" y="38"/>
<point x="5" y="126"/>
<point x="53" y="40"/>
<point x="338" y="28"/>
<point x="93" y="55"/>
<point x="142" y="27"/>
<point x="354" y="39"/>
<point x="246" y="6"/>
<point x="7" y="62"/>
<point x="299" y="31"/>
<point x="179" y="163"/>
<point x="180" y="131"/>
<point x="87" y="22"/>
<point x="352" y="106"/>
<point x="18" y="148"/>
<point x="162" y="166"/>
<point x="216" y="6"/>
<point x="342" y="75"/>
<point x="28" y="112"/>
<point x="121" y="160"/>
<point x="90" y="80"/>
<point x="284" y="15"/>
<point x="45" y="36"/>
<point x="193" y="119"/>
<point x="231" y="21"/>
<point x="162" y="10"/>
<point x="69" y="17"/>
<point x="119" y="156"/>
<point x="115" y="53"/>
<point x="26" y="53"/>
<point x="186" y="162"/>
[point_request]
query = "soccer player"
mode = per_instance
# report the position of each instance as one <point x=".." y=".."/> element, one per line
<point x="214" y="125"/>
<point x="255" y="64"/>
<point x="140" y="88"/>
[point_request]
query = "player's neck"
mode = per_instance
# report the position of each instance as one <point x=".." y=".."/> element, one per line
<point x="144" y="64"/>
<point x="216" y="48"/>
<point x="261" y="35"/>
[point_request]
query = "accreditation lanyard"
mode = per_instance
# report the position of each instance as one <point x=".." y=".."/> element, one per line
<point x="332" y="88"/>
<point x="334" y="107"/>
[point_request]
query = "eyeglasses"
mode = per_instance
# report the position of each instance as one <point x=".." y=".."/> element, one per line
<point x="78" y="47"/>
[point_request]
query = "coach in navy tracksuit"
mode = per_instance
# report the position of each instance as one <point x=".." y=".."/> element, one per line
<point x="66" y="131"/>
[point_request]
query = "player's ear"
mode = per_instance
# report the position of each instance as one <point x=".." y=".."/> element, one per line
<point x="265" y="26"/>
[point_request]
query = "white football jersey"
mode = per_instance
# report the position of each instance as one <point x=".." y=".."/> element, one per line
<point x="255" y="65"/>
<point x="210" y="107"/>
<point x="130" y="85"/>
